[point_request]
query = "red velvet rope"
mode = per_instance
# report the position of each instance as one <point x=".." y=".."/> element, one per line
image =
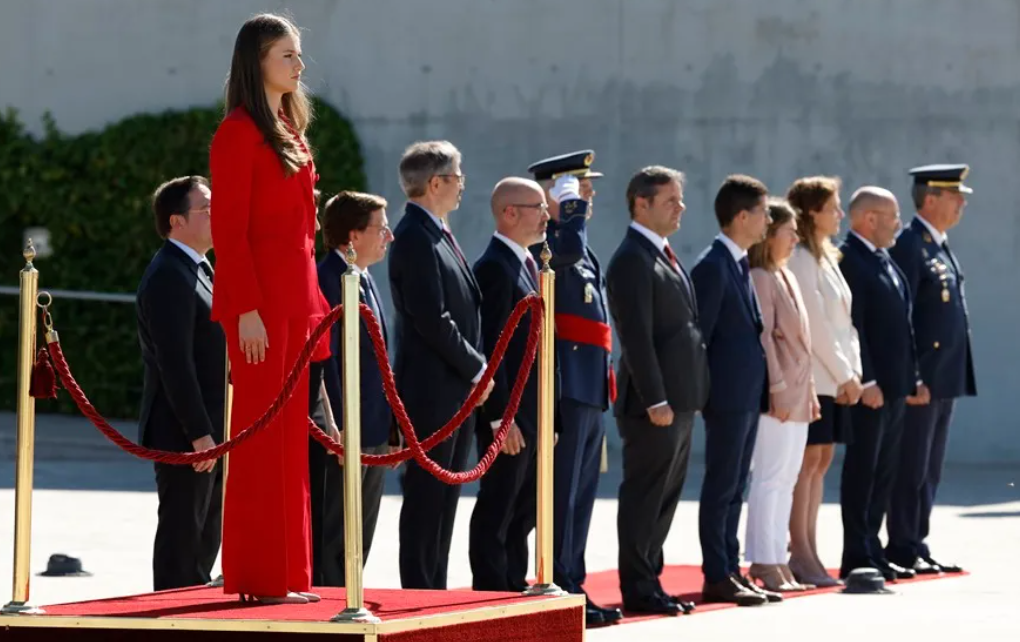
<point x="418" y="449"/>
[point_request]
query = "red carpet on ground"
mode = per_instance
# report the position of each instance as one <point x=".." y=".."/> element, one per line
<point x="685" y="581"/>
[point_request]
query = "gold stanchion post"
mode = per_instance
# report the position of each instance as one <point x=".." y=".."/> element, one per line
<point x="29" y="283"/>
<point x="544" y="584"/>
<point x="355" y="611"/>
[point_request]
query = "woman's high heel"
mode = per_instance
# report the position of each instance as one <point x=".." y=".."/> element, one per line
<point x="289" y="598"/>
<point x="771" y="577"/>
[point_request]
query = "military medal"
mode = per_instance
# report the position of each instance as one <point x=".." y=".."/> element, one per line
<point x="945" y="295"/>
<point x="589" y="293"/>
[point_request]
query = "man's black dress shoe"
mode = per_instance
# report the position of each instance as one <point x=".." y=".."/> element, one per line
<point x="732" y="591"/>
<point x="683" y="604"/>
<point x="593" y="618"/>
<point x="771" y="596"/>
<point x="893" y="572"/>
<point x="659" y="604"/>
<point x="609" y="616"/>
<point x="945" y="568"/>
<point x="922" y="567"/>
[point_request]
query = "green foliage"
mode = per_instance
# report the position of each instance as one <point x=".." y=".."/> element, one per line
<point x="92" y="193"/>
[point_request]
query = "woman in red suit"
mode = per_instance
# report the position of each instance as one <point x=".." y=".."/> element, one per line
<point x="267" y="299"/>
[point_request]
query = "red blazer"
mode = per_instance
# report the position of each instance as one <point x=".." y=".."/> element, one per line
<point x="263" y="227"/>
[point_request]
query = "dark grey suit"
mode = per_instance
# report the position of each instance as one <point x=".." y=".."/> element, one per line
<point x="662" y="359"/>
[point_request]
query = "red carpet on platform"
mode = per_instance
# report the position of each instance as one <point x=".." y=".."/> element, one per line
<point x="685" y="581"/>
<point x="208" y="614"/>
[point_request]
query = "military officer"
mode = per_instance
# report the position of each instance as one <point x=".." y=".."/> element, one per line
<point x="583" y="350"/>
<point x="942" y="332"/>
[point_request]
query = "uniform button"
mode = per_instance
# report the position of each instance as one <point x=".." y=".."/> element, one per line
<point x="575" y="346"/>
<point x="936" y="345"/>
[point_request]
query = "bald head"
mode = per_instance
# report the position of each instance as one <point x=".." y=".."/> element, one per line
<point x="519" y="207"/>
<point x="869" y="198"/>
<point x="875" y="215"/>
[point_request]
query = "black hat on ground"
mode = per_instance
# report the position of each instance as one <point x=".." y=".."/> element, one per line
<point x="865" y="581"/>
<point x="60" y="565"/>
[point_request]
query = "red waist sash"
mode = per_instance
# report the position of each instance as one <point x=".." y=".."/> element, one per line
<point x="570" y="327"/>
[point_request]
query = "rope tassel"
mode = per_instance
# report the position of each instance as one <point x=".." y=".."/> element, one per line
<point x="43" y="384"/>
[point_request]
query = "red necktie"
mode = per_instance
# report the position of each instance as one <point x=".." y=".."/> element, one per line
<point x="672" y="257"/>
<point x="453" y="242"/>
<point x="532" y="269"/>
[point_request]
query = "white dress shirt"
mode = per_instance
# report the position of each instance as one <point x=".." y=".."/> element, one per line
<point x="190" y="251"/>
<point x="736" y="251"/>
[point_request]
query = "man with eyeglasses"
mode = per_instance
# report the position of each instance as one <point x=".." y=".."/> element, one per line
<point x="440" y="356"/>
<point x="350" y="220"/>
<point x="184" y="356"/>
<point x="504" y="512"/>
<point x="584" y="356"/>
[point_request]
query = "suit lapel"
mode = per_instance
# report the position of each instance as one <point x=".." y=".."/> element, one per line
<point x="660" y="258"/>
<point x="454" y="257"/>
<point x="749" y="297"/>
<point x="513" y="262"/>
<point x="792" y="301"/>
<point x="188" y="263"/>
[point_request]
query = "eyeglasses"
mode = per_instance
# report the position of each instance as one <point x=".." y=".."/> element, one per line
<point x="460" y="177"/>
<point x="535" y="206"/>
<point x="384" y="230"/>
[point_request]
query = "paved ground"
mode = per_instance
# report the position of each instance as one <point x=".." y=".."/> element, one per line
<point x="101" y="507"/>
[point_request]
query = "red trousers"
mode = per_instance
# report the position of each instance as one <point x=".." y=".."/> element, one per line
<point x="266" y="520"/>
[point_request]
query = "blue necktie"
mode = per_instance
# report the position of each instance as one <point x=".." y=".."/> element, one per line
<point x="890" y="270"/>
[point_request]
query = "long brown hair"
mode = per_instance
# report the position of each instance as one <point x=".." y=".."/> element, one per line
<point x="807" y="195"/>
<point x="760" y="254"/>
<point x="246" y="88"/>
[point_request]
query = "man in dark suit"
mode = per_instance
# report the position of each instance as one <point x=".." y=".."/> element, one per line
<point x="730" y="320"/>
<point x="584" y="345"/>
<point x="881" y="314"/>
<point x="663" y="381"/>
<point x="944" y="355"/>
<point x="505" y="509"/>
<point x="358" y="221"/>
<point x="439" y="351"/>
<point x="184" y="356"/>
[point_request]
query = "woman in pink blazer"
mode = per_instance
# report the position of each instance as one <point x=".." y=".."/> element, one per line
<point x="835" y="355"/>
<point x="782" y="433"/>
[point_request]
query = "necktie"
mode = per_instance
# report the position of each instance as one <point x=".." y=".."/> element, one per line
<point x="532" y="270"/>
<point x="453" y="242"/>
<point x="372" y="299"/>
<point x="207" y="269"/>
<point x="668" y="251"/>
<point x="952" y="259"/>
<point x="889" y="269"/>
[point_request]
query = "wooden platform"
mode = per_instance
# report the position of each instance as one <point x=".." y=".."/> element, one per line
<point x="200" y="614"/>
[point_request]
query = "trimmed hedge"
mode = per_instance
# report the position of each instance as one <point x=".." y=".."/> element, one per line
<point x="92" y="192"/>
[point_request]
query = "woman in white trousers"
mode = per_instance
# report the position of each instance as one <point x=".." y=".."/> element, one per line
<point x="782" y="433"/>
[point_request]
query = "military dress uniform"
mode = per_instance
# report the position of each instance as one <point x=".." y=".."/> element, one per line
<point x="942" y="334"/>
<point x="583" y="350"/>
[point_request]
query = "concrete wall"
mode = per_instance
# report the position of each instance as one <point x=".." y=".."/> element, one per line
<point x="860" y="88"/>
